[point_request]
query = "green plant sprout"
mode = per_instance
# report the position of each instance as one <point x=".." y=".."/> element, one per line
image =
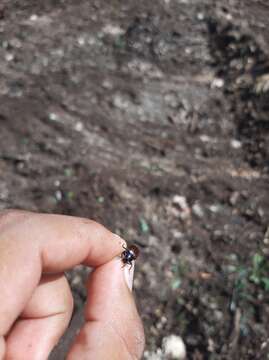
<point x="260" y="271"/>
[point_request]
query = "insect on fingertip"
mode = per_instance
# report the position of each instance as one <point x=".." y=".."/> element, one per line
<point x="129" y="254"/>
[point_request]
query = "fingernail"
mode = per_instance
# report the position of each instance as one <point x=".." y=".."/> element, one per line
<point x="129" y="275"/>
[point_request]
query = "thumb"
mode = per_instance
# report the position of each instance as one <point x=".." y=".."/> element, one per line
<point x="113" y="329"/>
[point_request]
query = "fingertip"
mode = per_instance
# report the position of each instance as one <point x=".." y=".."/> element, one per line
<point x="120" y="240"/>
<point x="104" y="244"/>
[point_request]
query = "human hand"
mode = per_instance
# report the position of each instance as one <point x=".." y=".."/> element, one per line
<point x="35" y="300"/>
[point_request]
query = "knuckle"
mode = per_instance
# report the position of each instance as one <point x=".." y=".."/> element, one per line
<point x="98" y="229"/>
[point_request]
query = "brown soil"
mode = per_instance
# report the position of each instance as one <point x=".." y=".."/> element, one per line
<point x="112" y="110"/>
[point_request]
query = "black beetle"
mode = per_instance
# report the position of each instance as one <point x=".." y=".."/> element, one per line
<point x="129" y="254"/>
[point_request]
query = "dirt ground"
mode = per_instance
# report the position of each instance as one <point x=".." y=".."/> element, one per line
<point x="151" y="117"/>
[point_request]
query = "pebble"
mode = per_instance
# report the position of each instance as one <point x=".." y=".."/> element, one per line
<point x="113" y="30"/>
<point x="53" y="117"/>
<point x="207" y="139"/>
<point x="9" y="57"/>
<point x="177" y="234"/>
<point x="76" y="280"/>
<point x="200" y="16"/>
<point x="234" y="198"/>
<point x="218" y="315"/>
<point x="215" y="208"/>
<point x="58" y="195"/>
<point x="120" y="103"/>
<point x="171" y="100"/>
<point x="154" y="355"/>
<point x="236" y="144"/>
<point x="198" y="210"/>
<point x="107" y="84"/>
<point x="79" y="126"/>
<point x="266" y="237"/>
<point x="217" y="83"/>
<point x="182" y="203"/>
<point x="81" y="40"/>
<point x="33" y="17"/>
<point x="174" y="347"/>
<point x="57" y="183"/>
<point x="15" y="43"/>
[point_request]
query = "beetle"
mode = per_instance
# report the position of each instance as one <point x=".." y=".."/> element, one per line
<point x="129" y="254"/>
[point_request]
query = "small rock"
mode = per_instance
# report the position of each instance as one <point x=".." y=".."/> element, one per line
<point x="215" y="208"/>
<point x="58" y="195"/>
<point x="188" y="50"/>
<point x="15" y="43"/>
<point x="53" y="116"/>
<point x="4" y="192"/>
<point x="262" y="84"/>
<point x="211" y="345"/>
<point x="100" y="199"/>
<point x="40" y="20"/>
<point x="266" y="237"/>
<point x="177" y="234"/>
<point x="153" y="355"/>
<point x="79" y="126"/>
<point x="232" y="257"/>
<point x="218" y="315"/>
<point x="217" y="83"/>
<point x="9" y="57"/>
<point x="198" y="210"/>
<point x="57" y="183"/>
<point x="120" y="102"/>
<point x="200" y="16"/>
<point x="153" y="241"/>
<point x="107" y="84"/>
<point x="181" y="202"/>
<point x="174" y="347"/>
<point x="76" y="280"/>
<point x="234" y="198"/>
<point x="33" y="17"/>
<point x="113" y="30"/>
<point x="81" y="40"/>
<point x="207" y="139"/>
<point x="236" y="144"/>
<point x="171" y="100"/>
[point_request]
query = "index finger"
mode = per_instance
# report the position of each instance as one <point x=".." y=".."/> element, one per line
<point x="32" y="243"/>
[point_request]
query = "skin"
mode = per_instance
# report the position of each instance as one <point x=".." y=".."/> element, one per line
<point x="36" y="302"/>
